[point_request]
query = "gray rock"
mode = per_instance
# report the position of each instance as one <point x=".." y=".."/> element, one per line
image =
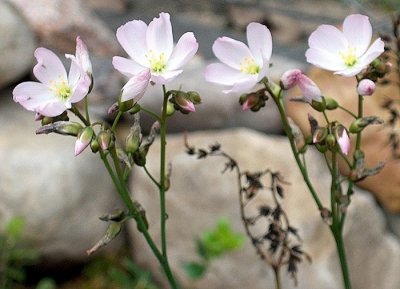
<point x="199" y="194"/>
<point x="59" y="196"/>
<point x="16" y="45"/>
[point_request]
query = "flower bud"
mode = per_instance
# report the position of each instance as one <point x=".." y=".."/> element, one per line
<point x="323" y="148"/>
<point x="112" y="109"/>
<point x="343" y="139"/>
<point x="133" y="140"/>
<point x="94" y="145"/>
<point x="320" y="134"/>
<point x="47" y="120"/>
<point x="366" y="87"/>
<point x="139" y="157"/>
<point x="318" y="106"/>
<point x="124" y="106"/>
<point x="194" y="97"/>
<point x="330" y="103"/>
<point x="330" y="141"/>
<point x="289" y="78"/>
<point x="182" y="102"/>
<point x="61" y="127"/>
<point x="104" y="139"/>
<point x="84" y="139"/>
<point x="170" y="108"/>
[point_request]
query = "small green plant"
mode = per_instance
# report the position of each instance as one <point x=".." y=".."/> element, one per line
<point x="211" y="245"/>
<point x="13" y="257"/>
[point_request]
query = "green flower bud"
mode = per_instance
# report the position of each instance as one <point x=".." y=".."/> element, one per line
<point x="318" y="106"/>
<point x="330" y="103"/>
<point x="104" y="139"/>
<point x="170" y="108"/>
<point x="124" y="106"/>
<point x="94" y="146"/>
<point x="194" y="97"/>
<point x="133" y="140"/>
<point x="330" y="141"/>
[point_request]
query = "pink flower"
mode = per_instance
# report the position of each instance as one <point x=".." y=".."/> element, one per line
<point x="151" y="48"/>
<point x="309" y="89"/>
<point x="343" y="140"/>
<point x="242" y="66"/>
<point x="366" y="87"/>
<point x="347" y="52"/>
<point x="56" y="90"/>
<point x="136" y="86"/>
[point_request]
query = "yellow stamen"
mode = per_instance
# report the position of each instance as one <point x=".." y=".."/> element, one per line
<point x="157" y="62"/>
<point x="61" y="89"/>
<point x="349" y="57"/>
<point x="249" y="66"/>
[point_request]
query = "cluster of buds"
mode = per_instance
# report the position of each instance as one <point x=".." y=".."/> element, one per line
<point x="254" y="100"/>
<point x="183" y="101"/>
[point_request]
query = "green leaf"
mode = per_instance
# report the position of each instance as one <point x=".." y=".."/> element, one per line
<point x="195" y="270"/>
<point x="46" y="283"/>
<point x="14" y="227"/>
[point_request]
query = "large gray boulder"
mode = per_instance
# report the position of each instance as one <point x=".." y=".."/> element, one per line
<point x="199" y="194"/>
<point x="16" y="45"/>
<point x="59" y="196"/>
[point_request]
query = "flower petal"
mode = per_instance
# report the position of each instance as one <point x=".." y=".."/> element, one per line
<point x="373" y="52"/>
<point x="159" y="35"/>
<point x="136" y="86"/>
<point x="328" y="38"/>
<point x="82" y="56"/>
<point x="324" y="59"/>
<point x="260" y="41"/>
<point x="127" y="66"/>
<point x="165" y="77"/>
<point x="244" y="85"/>
<point x="49" y="67"/>
<point x="358" y="31"/>
<point x="132" y="37"/>
<point x="231" y="52"/>
<point x="35" y="96"/>
<point x="184" y="50"/>
<point x="81" y="88"/>
<point x="222" y="74"/>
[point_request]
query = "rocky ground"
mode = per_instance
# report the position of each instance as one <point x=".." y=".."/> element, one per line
<point x="65" y="207"/>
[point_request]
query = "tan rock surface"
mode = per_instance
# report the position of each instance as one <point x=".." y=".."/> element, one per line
<point x="386" y="185"/>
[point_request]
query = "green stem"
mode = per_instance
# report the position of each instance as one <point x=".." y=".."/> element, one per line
<point x="151" y="177"/>
<point x="124" y="194"/>
<point x="348" y="111"/>
<point x="149" y="112"/>
<point x="87" y="108"/>
<point x="279" y="103"/>
<point x="76" y="111"/>
<point x="116" y="120"/>
<point x="163" y="131"/>
<point x="342" y="256"/>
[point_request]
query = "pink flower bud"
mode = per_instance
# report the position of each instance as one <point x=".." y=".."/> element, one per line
<point x="289" y="78"/>
<point x="82" y="56"/>
<point x="366" y="87"/>
<point x="309" y="89"/>
<point x="343" y="139"/>
<point x="84" y="139"/>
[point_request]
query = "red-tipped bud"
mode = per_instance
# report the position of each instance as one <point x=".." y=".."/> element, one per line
<point x="366" y="87"/>
<point x="84" y="139"/>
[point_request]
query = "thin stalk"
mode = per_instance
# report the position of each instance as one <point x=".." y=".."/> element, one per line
<point x="151" y="177"/>
<point x="149" y="112"/>
<point x="278" y="284"/>
<point x="87" y="108"/>
<point x="124" y="194"/>
<point x="163" y="133"/>
<point x="76" y="111"/>
<point x="116" y="120"/>
<point x="342" y="257"/>
<point x="279" y="103"/>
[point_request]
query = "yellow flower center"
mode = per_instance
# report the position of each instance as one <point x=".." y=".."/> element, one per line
<point x="249" y="66"/>
<point x="349" y="57"/>
<point x="61" y="89"/>
<point x="156" y="61"/>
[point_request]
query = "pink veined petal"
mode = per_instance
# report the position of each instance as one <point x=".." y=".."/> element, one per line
<point x="81" y="89"/>
<point x="260" y="41"/>
<point x="309" y="89"/>
<point x="127" y="66"/>
<point x="328" y="38"/>
<point x="159" y="35"/>
<point x="49" y="67"/>
<point x="132" y="37"/>
<point x="373" y="52"/>
<point x="231" y="52"/>
<point x="165" y="77"/>
<point x="222" y="74"/>
<point x="324" y="59"/>
<point x="82" y="55"/>
<point x="358" y="31"/>
<point x="35" y="96"/>
<point x="74" y="70"/>
<point x="184" y="50"/>
<point x="244" y="85"/>
<point x="136" y="86"/>
<point x="344" y="142"/>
